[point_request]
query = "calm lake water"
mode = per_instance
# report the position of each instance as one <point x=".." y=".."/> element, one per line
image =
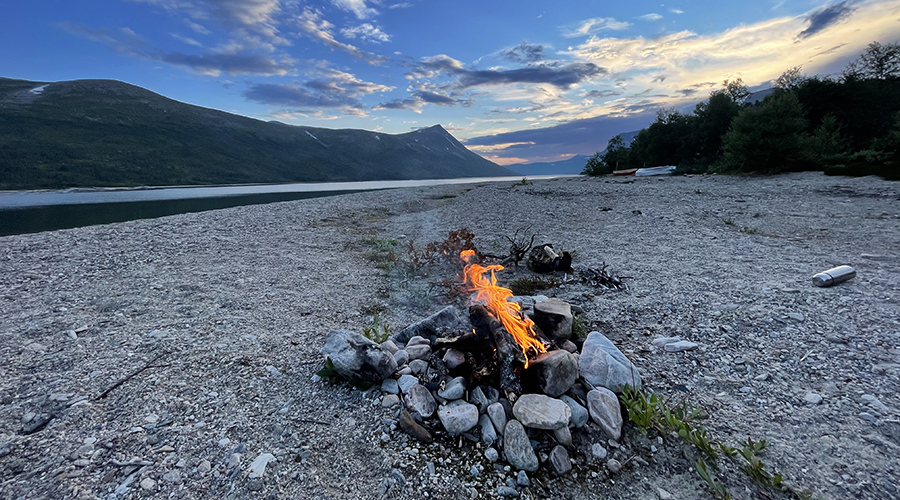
<point x="35" y="211"/>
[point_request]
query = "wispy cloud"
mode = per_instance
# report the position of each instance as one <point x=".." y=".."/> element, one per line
<point x="312" y="25"/>
<point x="594" y="26"/>
<point x="186" y="39"/>
<point x="676" y="11"/>
<point x="357" y="7"/>
<point x="328" y="89"/>
<point x="366" y="31"/>
<point x="524" y="53"/>
<point x="653" y="16"/>
<point x="825" y="17"/>
<point x="559" y="75"/>
<point x="127" y="42"/>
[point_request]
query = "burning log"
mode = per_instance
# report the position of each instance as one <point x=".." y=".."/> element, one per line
<point x="508" y="351"/>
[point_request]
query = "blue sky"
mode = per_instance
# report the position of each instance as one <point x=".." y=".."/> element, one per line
<point x="515" y="80"/>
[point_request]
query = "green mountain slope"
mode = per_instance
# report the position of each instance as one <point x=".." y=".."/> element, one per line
<point x="109" y="133"/>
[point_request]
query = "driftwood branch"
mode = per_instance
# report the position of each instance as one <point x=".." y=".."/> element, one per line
<point x="129" y="376"/>
<point x="518" y="246"/>
<point x="508" y="351"/>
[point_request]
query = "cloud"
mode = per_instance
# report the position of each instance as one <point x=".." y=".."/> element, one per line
<point x="127" y="42"/>
<point x="676" y="11"/>
<point x="368" y="32"/>
<point x="312" y="25"/>
<point x="411" y="104"/>
<point x="199" y="28"/>
<point x="186" y="39"/>
<point x="650" y="17"/>
<point x="419" y="98"/>
<point x="593" y="26"/>
<point x="560" y="75"/>
<point x="245" y="17"/>
<point x="214" y="64"/>
<point x="401" y="5"/>
<point x="825" y="17"/>
<point x="357" y="7"/>
<point x="600" y="94"/>
<point x="329" y="89"/>
<point x="524" y="53"/>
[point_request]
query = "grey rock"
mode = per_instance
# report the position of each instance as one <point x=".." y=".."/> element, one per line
<point x="604" y="408"/>
<point x="796" y="317"/>
<point x="812" y="398"/>
<point x="422" y="352"/>
<point x="148" y="484"/>
<point x="662" y="341"/>
<point x="488" y="433"/>
<point x="541" y="412"/>
<point x="404" y="371"/>
<point x="875" y="404"/>
<point x="598" y="451"/>
<point x="663" y="494"/>
<point x="474" y="470"/>
<point x="390" y="346"/>
<point x="71" y="334"/>
<point x="405" y="382"/>
<point x="358" y="358"/>
<point x="498" y="416"/>
<point x="559" y="460"/>
<point x="204" y="467"/>
<point x="420" y="400"/>
<point x="172" y="476"/>
<point x="255" y="485"/>
<point x="453" y="358"/>
<point x="272" y="371"/>
<point x="458" y="416"/>
<point x="554" y="318"/>
<point x="556" y="371"/>
<point x="613" y="465"/>
<point x="507" y="491"/>
<point x="517" y="447"/>
<point x="401" y="357"/>
<point x="445" y="321"/>
<point x="522" y="479"/>
<point x="681" y="345"/>
<point x="579" y="413"/>
<point x="418" y="366"/>
<point x="390" y="400"/>
<point x="492" y="455"/>
<point x="602" y="364"/>
<point x="454" y="389"/>
<point x="563" y="436"/>
<point x="390" y="386"/>
<point x="868" y="417"/>
<point x="484" y="396"/>
<point x="4" y="450"/>
<point x="418" y="340"/>
<point x="569" y="346"/>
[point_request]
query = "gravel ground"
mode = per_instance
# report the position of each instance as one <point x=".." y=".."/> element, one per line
<point x="211" y="325"/>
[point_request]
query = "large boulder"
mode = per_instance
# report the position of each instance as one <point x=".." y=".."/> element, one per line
<point x="443" y="323"/>
<point x="357" y="358"/>
<point x="602" y="364"/>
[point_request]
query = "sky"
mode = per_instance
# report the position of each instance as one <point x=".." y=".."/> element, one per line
<point x="516" y="81"/>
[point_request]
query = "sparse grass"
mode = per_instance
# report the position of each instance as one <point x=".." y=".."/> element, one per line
<point x="579" y="327"/>
<point x="523" y="182"/>
<point x="382" y="252"/>
<point x="749" y="230"/>
<point x="527" y="286"/>
<point x="376" y="332"/>
<point x="650" y="411"/>
<point x="728" y="222"/>
<point x="445" y="196"/>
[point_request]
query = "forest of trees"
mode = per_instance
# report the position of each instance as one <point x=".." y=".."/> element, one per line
<point x="848" y="125"/>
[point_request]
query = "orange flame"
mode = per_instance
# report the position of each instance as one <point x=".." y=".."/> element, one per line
<point x="494" y="298"/>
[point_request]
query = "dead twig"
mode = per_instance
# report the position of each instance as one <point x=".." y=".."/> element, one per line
<point x="518" y="246"/>
<point x="129" y="376"/>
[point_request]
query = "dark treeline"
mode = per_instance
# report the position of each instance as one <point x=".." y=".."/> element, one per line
<point x="844" y="126"/>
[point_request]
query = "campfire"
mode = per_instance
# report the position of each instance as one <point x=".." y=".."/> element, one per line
<point x="508" y="374"/>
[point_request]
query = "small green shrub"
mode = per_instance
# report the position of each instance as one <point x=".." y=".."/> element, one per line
<point x="377" y="332"/>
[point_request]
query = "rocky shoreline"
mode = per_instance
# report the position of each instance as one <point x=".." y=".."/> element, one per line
<point x="174" y="357"/>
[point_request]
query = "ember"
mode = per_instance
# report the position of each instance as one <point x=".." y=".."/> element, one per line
<point x="486" y="292"/>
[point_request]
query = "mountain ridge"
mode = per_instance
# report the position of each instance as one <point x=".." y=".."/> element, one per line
<point x="89" y="133"/>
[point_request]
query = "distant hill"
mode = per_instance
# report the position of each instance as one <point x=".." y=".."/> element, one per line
<point x="573" y="165"/>
<point x="107" y="133"/>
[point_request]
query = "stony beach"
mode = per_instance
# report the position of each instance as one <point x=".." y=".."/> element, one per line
<point x="166" y="358"/>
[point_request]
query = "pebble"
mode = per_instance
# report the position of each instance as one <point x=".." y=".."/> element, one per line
<point x="662" y="341"/>
<point x="224" y="442"/>
<point x="541" y="412"/>
<point x="488" y="433"/>
<point x="563" y="436"/>
<point x="71" y="334"/>
<point x="517" y="447"/>
<point x="559" y="460"/>
<point x="522" y="479"/>
<point x="453" y="358"/>
<point x="492" y="455"/>
<point x="664" y="495"/>
<point x="458" y="416"/>
<point x="506" y="491"/>
<point x="420" y="400"/>
<point x="390" y="386"/>
<point x="812" y="398"/>
<point x="204" y="467"/>
<point x="148" y="484"/>
<point x="454" y="389"/>
<point x="598" y="451"/>
<point x="605" y="411"/>
<point x="474" y="470"/>
<point x="613" y="465"/>
<point x="272" y="371"/>
<point x="682" y="345"/>
<point x="401" y="357"/>
<point x="497" y="414"/>
<point x="796" y="317"/>
<point x="390" y="401"/>
<point x="418" y="366"/>
<point x="868" y="417"/>
<point x="172" y="477"/>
